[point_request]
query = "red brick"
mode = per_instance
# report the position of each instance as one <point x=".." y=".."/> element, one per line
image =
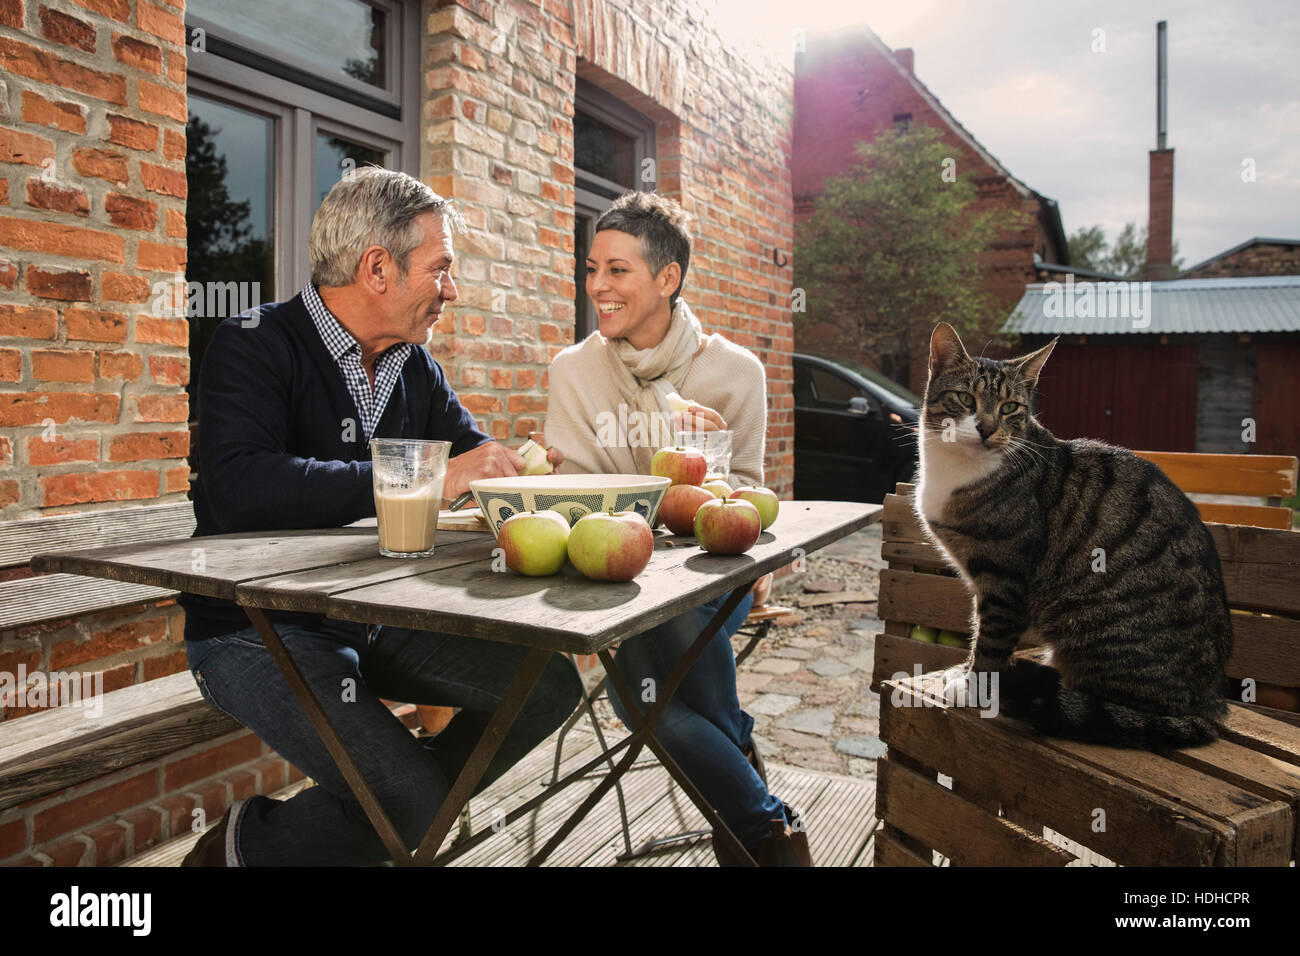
<point x="95" y="325"/>
<point x="13" y="837"/>
<point x="6" y="459"/>
<point x="61" y="28"/>
<point x="176" y="223"/>
<point x="169" y="182"/>
<point x="177" y="67"/>
<point x="32" y="408"/>
<point x="295" y="775"/>
<point x="90" y="487"/>
<point x="132" y="133"/>
<point x="11" y="13"/>
<point x="176" y="479"/>
<point x="127" y="212"/>
<point x="128" y="366"/>
<point x="63" y="366"/>
<point x="64" y="285"/>
<point x="8" y="274"/>
<point x="146" y="828"/>
<point x="74" y="812"/>
<point x="11" y="368"/>
<point x="243" y="784"/>
<point x="28" y="322"/>
<point x="153" y="330"/>
<point x="161" y="23"/>
<point x="166" y="664"/>
<point x="100" y="164"/>
<point x="34" y="63"/>
<point x="106" y="643"/>
<point x="48" y="195"/>
<point x="120" y="287"/>
<point x="156" y="408"/>
<point x="173" y="145"/>
<point x="74" y="241"/>
<point x="65" y="116"/>
<point x="9" y="493"/>
<point x="119" y="10"/>
<point x="26" y="148"/>
<point x="211" y="762"/>
<point x="155" y="98"/>
<point x="170" y="369"/>
<point x="177" y="813"/>
<point x="160" y="257"/>
<point x="212" y="797"/>
<point x="61" y="451"/>
<point x="132" y="52"/>
<point x="110" y="842"/>
<point x="526" y="403"/>
<point x="271" y="775"/>
<point x="147" y="446"/>
<point x="75" y="851"/>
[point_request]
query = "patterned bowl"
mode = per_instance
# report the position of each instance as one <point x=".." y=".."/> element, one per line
<point x="571" y="495"/>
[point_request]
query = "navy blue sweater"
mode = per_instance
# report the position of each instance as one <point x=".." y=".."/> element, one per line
<point x="272" y="454"/>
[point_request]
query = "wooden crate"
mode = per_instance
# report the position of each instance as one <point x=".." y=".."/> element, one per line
<point x="1231" y="803"/>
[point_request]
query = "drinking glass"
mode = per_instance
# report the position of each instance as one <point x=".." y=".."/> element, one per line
<point x="408" y="476"/>
<point x="716" y="446"/>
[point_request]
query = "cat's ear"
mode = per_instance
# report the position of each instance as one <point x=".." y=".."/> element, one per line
<point x="1028" y="366"/>
<point x="945" y="348"/>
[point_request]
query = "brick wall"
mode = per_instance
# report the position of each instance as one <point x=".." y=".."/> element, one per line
<point x="1261" y="258"/>
<point x="500" y="83"/>
<point x="92" y="213"/>
<point x="849" y="88"/>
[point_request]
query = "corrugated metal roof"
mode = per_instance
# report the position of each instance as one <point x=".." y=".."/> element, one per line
<point x="1254" y="304"/>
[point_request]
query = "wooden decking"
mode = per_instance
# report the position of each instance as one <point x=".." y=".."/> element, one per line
<point x="840" y="813"/>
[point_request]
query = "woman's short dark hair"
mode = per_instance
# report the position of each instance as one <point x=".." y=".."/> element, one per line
<point x="660" y="224"/>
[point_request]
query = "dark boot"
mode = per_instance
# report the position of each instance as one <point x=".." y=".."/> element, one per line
<point x="210" y="850"/>
<point x="784" y="846"/>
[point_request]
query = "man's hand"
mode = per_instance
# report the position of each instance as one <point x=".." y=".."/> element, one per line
<point x="700" y="418"/>
<point x="553" y="455"/>
<point x="488" y="460"/>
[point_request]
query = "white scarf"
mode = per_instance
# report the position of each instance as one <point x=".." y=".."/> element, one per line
<point x="648" y="376"/>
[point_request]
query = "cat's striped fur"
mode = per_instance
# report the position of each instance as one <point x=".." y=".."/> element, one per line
<point x="1137" y="649"/>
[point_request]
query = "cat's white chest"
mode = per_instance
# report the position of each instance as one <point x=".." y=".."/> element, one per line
<point x="945" y="467"/>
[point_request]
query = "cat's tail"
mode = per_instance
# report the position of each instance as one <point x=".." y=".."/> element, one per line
<point x="1076" y="715"/>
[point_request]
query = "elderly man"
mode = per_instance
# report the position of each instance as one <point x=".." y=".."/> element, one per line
<point x="289" y="397"/>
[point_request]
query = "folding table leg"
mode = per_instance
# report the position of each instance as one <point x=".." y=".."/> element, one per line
<point x="329" y="736"/>
<point x="483" y="752"/>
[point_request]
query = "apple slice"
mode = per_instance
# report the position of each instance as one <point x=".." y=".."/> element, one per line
<point x="676" y="404"/>
<point x="535" y="460"/>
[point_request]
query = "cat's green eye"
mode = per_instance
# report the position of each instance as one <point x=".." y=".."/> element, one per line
<point x="1009" y="407"/>
<point x="966" y="398"/>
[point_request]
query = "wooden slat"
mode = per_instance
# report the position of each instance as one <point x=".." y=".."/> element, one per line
<point x="1045" y="787"/>
<point x="895" y="655"/>
<point x="898" y="520"/>
<point x="1262" y="734"/>
<point x="934" y="600"/>
<point x="1261" y="567"/>
<point x="1260" y="476"/>
<point x="24" y="537"/>
<point x="915" y="554"/>
<point x="49" y="751"/>
<point x="1259" y="516"/>
<point x="568" y="613"/>
<point x="961" y="831"/>
<point x="890" y="851"/>
<point x="1266" y="649"/>
<point x="50" y="597"/>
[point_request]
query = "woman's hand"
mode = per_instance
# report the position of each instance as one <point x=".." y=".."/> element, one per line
<point x="699" y="418"/>
<point x="553" y="455"/>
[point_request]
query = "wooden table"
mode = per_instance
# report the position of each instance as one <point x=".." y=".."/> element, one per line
<point x="339" y="573"/>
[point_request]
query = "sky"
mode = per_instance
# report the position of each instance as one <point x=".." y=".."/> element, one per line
<point x="1076" y="124"/>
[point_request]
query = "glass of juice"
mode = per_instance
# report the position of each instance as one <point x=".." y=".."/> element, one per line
<point x="408" y="476"/>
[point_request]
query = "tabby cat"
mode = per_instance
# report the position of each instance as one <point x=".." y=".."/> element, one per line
<point x="1085" y="545"/>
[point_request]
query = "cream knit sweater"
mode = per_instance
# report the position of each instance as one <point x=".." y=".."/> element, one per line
<point x="584" y="419"/>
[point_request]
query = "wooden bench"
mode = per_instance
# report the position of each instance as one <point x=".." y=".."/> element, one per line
<point x="28" y="600"/>
<point x="1272" y="477"/>
<point x="1233" y="802"/>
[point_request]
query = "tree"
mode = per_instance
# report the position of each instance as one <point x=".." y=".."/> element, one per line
<point x="894" y="246"/>
<point x="1127" y="258"/>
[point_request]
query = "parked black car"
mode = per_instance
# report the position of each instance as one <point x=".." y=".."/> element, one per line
<point x="855" y="431"/>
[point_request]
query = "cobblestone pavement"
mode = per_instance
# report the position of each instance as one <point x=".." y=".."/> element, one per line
<point x="807" y="684"/>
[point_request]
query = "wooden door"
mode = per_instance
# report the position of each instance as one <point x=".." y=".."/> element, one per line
<point x="1074" y="391"/>
<point x="1277" y="398"/>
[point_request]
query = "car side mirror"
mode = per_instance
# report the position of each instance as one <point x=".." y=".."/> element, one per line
<point x="858" y="406"/>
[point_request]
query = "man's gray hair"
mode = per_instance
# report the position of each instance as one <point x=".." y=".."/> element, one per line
<point x="371" y="207"/>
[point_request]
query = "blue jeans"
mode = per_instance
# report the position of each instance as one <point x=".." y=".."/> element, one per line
<point x="703" y="727"/>
<point x="348" y="672"/>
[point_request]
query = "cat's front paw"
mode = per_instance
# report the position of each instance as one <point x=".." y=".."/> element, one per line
<point x="956" y="682"/>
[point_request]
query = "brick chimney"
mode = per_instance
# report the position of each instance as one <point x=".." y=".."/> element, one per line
<point x="1160" y="183"/>
<point x="905" y="58"/>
